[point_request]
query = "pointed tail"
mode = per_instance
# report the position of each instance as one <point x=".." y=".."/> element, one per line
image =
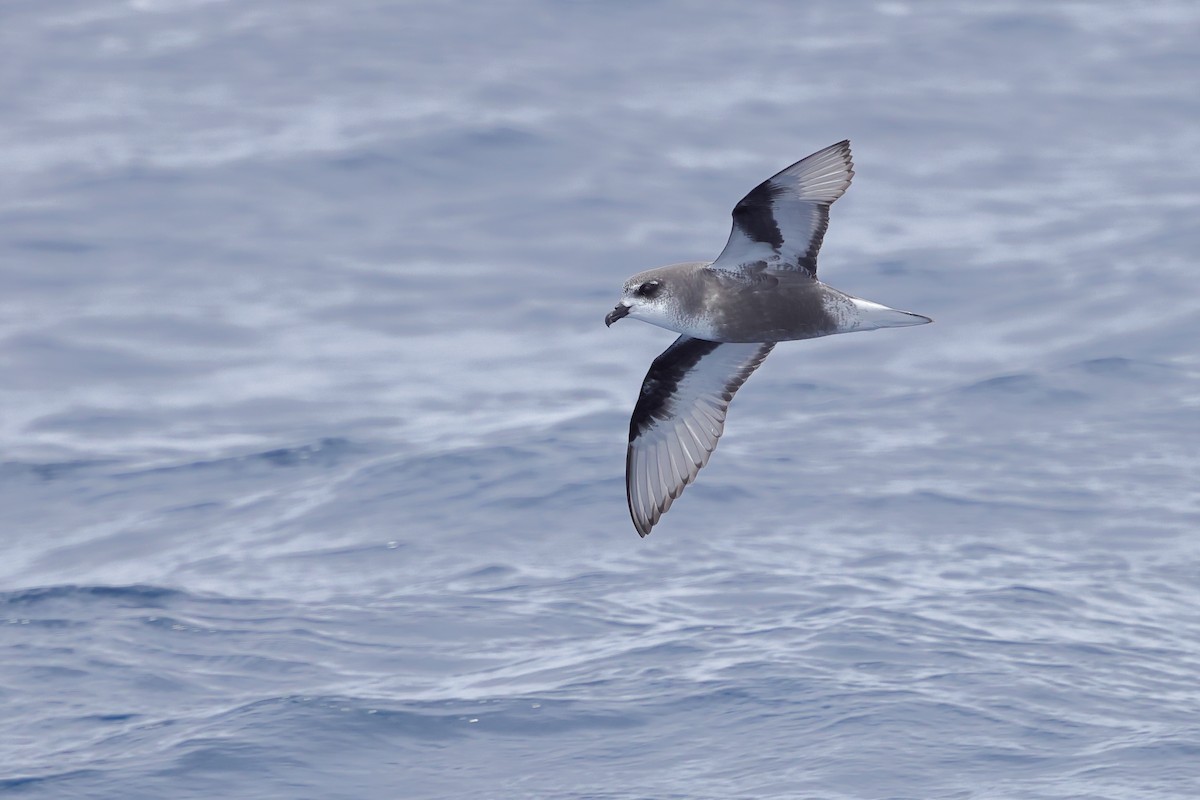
<point x="870" y="316"/>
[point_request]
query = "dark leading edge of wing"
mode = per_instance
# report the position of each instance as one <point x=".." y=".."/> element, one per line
<point x="787" y="215"/>
<point x="678" y="419"/>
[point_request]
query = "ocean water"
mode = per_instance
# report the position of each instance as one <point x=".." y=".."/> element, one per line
<point x="312" y="435"/>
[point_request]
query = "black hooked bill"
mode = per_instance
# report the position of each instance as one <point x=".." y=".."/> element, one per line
<point x="621" y="310"/>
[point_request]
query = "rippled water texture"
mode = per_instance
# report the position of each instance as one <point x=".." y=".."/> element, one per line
<point x="312" y="435"/>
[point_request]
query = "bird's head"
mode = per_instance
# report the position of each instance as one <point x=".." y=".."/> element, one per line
<point x="646" y="296"/>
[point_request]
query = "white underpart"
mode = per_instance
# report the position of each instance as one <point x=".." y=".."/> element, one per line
<point x="696" y="327"/>
<point x="666" y="315"/>
<point x="662" y="316"/>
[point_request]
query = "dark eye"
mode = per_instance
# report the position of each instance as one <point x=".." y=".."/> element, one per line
<point x="648" y="289"/>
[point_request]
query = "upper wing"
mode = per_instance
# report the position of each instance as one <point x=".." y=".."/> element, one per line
<point x="783" y="220"/>
<point x="678" y="418"/>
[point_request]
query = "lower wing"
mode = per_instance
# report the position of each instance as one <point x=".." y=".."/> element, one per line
<point x="679" y="417"/>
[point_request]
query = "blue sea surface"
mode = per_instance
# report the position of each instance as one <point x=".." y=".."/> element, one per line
<point x="312" y="436"/>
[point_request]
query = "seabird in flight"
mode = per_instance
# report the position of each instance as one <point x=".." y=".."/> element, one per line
<point x="762" y="289"/>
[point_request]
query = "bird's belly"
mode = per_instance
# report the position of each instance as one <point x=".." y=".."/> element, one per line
<point x="774" y="316"/>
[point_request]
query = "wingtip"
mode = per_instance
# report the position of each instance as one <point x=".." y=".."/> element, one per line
<point x="642" y="526"/>
<point x="844" y="144"/>
<point x="842" y="147"/>
<point x="822" y="176"/>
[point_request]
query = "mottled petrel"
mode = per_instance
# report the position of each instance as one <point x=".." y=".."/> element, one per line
<point x="762" y="289"/>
